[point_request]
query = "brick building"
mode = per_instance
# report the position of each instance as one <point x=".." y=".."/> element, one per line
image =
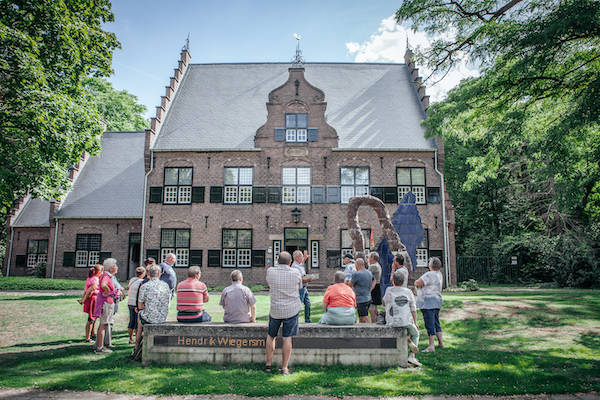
<point x="241" y="162"/>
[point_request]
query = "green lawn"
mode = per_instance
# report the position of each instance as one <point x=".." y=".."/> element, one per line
<point x="498" y="341"/>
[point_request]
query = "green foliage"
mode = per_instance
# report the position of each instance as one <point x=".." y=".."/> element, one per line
<point x="119" y="109"/>
<point x="46" y="119"/>
<point x="40" y="270"/>
<point x="471" y="285"/>
<point x="522" y="140"/>
<point x="31" y="283"/>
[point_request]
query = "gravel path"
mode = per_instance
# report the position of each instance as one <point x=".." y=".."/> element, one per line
<point x="33" y="394"/>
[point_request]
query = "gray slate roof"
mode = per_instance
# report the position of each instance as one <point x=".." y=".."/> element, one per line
<point x="34" y="214"/>
<point x="220" y="106"/>
<point x="111" y="185"/>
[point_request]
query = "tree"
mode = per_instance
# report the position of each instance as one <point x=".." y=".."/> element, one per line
<point x="119" y="109"/>
<point x="48" y="48"/>
<point x="523" y="139"/>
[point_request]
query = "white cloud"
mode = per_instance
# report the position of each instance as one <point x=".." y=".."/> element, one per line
<point x="389" y="45"/>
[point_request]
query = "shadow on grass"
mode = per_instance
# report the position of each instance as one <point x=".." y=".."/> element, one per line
<point x="41" y="297"/>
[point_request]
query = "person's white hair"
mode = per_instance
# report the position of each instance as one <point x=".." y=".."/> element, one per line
<point x="109" y="264"/>
<point x="153" y="271"/>
<point x="171" y="255"/>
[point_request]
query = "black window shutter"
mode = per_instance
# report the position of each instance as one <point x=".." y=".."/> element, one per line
<point x="313" y="135"/>
<point x="155" y="194"/>
<point x="104" y="255"/>
<point x="214" y="258"/>
<point x="334" y="258"/>
<point x="196" y="257"/>
<point x="69" y="259"/>
<point x="279" y="135"/>
<point x="274" y="194"/>
<point x="216" y="194"/>
<point x="318" y="194"/>
<point x="258" y="258"/>
<point x="333" y="194"/>
<point x="377" y="192"/>
<point x="433" y="195"/>
<point x="390" y="194"/>
<point x="259" y="194"/>
<point x="198" y="194"/>
<point x="153" y="253"/>
<point x="20" y="260"/>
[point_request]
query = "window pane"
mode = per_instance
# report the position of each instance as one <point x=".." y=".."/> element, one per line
<point x="185" y="176"/>
<point x="314" y="254"/>
<point x="244" y="239"/>
<point x="424" y="242"/>
<point x="347" y="176"/>
<point x="290" y="135"/>
<point x="303" y="194"/>
<point x="302" y="120"/>
<point x="182" y="238"/>
<point x="94" y="258"/>
<point x="303" y="176"/>
<point x="419" y="192"/>
<point x="32" y="247"/>
<point x="402" y="190"/>
<point x="362" y="176"/>
<point x="42" y="258"/>
<point x="346" y="240"/>
<point x="421" y="257"/>
<point x="301" y="135"/>
<point x="229" y="238"/>
<point x="82" y="242"/>
<point x="81" y="258"/>
<point x="276" y="250"/>
<point x="244" y="258"/>
<point x="31" y="260"/>
<point x="170" y="176"/>
<point x="245" y="176"/>
<point x="183" y="257"/>
<point x="418" y="176"/>
<point x="170" y="194"/>
<point x="168" y="238"/>
<point x="231" y="194"/>
<point x="185" y="194"/>
<point x="94" y="242"/>
<point x="246" y="194"/>
<point x="42" y="246"/>
<point x="347" y="193"/>
<point x="164" y="252"/>
<point x="288" y="176"/>
<point x="403" y="176"/>
<point x="290" y="120"/>
<point x="289" y="194"/>
<point x="229" y="258"/>
<point x="360" y="190"/>
<point x="231" y="176"/>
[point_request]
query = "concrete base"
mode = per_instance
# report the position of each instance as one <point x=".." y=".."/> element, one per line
<point x="219" y="343"/>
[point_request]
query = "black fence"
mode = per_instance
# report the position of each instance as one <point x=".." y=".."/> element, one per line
<point x="486" y="269"/>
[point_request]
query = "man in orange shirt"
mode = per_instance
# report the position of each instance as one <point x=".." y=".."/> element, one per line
<point x="191" y="296"/>
<point x="339" y="303"/>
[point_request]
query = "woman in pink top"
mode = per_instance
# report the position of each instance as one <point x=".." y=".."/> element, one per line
<point x="92" y="287"/>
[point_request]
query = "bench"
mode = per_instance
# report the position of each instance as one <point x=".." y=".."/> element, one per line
<point x="220" y="343"/>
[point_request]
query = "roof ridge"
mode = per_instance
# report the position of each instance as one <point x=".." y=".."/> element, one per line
<point x="306" y="63"/>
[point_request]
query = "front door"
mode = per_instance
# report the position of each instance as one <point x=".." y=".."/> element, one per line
<point x="134" y="254"/>
<point x="295" y="239"/>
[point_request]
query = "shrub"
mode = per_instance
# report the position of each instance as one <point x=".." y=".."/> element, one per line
<point x="471" y="285"/>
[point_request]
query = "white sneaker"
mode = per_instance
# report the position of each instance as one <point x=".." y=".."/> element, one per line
<point x="412" y="360"/>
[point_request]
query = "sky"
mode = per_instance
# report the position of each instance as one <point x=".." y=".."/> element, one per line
<point x="152" y="34"/>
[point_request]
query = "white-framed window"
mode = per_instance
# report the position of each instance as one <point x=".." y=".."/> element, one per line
<point x="238" y="185"/>
<point x="87" y="249"/>
<point x="346" y="242"/>
<point x="37" y="252"/>
<point x="296" y="185"/>
<point x="178" y="185"/>
<point x="237" y="248"/>
<point x="276" y="250"/>
<point x="354" y="181"/>
<point x="423" y="250"/>
<point x="314" y="254"/>
<point x="296" y="127"/>
<point x="411" y="180"/>
<point x="176" y="241"/>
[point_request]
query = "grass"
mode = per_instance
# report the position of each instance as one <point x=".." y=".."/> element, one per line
<point x="500" y="341"/>
<point x="31" y="283"/>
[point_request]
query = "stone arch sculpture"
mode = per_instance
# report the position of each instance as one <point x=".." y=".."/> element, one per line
<point x="385" y="221"/>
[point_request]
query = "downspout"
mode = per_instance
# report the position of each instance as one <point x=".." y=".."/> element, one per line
<point x="12" y="236"/>
<point x="444" y="222"/>
<point x="144" y="208"/>
<point x="54" y="247"/>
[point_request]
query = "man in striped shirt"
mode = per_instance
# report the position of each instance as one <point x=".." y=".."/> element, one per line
<point x="191" y="296"/>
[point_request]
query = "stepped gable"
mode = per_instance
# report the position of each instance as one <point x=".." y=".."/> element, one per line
<point x="370" y="106"/>
<point x="110" y="185"/>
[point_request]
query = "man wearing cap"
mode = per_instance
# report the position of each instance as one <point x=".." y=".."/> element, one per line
<point x="350" y="268"/>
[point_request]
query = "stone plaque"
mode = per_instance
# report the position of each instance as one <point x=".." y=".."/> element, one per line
<point x="296" y="151"/>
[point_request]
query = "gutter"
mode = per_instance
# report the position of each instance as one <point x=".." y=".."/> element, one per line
<point x="12" y="236"/>
<point x="444" y="221"/>
<point x="54" y="247"/>
<point x="144" y="207"/>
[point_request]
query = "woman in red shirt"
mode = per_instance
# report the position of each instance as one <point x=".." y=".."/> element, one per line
<point x="92" y="287"/>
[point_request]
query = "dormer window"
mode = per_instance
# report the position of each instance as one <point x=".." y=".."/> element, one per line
<point x="296" y="128"/>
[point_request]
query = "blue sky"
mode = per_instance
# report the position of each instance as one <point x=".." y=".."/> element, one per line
<point x="152" y="34"/>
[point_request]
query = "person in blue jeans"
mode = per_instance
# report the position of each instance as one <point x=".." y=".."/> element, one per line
<point x="298" y="264"/>
<point x="429" y="301"/>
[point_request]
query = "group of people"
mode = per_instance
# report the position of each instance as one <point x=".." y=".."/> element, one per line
<point x="354" y="290"/>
